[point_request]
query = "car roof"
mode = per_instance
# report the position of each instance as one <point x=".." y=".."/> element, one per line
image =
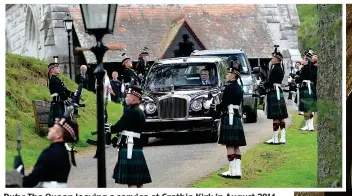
<point x="222" y="51"/>
<point x="195" y="59"/>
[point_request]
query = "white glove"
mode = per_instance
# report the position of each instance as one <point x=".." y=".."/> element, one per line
<point x="68" y="101"/>
<point x="107" y="127"/>
<point x="123" y="88"/>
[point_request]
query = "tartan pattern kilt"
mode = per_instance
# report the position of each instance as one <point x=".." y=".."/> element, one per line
<point x="57" y="110"/>
<point x="276" y="109"/>
<point x="306" y="100"/>
<point x="231" y="134"/>
<point x="132" y="171"/>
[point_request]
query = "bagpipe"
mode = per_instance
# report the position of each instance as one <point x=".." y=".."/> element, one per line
<point x="143" y="66"/>
<point x="75" y="102"/>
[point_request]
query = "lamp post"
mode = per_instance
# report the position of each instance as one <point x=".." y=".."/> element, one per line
<point x="99" y="19"/>
<point x="68" y="26"/>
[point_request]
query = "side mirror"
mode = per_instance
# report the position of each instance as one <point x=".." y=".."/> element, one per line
<point x="256" y="70"/>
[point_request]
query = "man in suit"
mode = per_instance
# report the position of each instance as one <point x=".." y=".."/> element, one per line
<point x="204" y="76"/>
<point x="116" y="87"/>
<point x="83" y="77"/>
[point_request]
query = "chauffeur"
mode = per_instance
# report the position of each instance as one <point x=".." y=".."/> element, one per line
<point x="231" y="129"/>
<point x="131" y="167"/>
<point x="276" y="106"/>
<point x="53" y="165"/>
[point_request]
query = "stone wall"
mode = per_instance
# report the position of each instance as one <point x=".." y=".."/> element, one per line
<point x="37" y="30"/>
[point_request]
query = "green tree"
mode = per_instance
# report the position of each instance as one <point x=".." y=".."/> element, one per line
<point x="329" y="95"/>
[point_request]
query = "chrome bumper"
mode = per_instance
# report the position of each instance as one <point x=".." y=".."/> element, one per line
<point x="181" y="119"/>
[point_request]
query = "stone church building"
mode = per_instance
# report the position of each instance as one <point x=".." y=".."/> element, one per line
<point x="38" y="30"/>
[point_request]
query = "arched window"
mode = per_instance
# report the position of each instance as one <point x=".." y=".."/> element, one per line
<point x="31" y="41"/>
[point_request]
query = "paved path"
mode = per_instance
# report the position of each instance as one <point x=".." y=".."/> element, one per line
<point x="173" y="162"/>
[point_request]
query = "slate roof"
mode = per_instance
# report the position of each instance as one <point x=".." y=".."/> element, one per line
<point x="216" y="26"/>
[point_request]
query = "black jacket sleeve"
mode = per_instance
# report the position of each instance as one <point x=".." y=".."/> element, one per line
<point x="56" y="86"/>
<point x="35" y="177"/>
<point x="226" y="96"/>
<point x="125" y="119"/>
<point x="68" y="92"/>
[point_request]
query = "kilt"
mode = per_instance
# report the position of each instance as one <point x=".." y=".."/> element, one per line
<point x="132" y="171"/>
<point x="306" y="100"/>
<point x="231" y="134"/>
<point x="275" y="109"/>
<point x="57" y="110"/>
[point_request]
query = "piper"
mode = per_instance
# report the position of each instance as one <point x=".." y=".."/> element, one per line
<point x="131" y="167"/>
<point x="275" y="101"/>
<point x="231" y="131"/>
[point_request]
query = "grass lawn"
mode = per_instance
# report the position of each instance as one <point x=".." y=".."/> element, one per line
<point x="266" y="166"/>
<point x="25" y="82"/>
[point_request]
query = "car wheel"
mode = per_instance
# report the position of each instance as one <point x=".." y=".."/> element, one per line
<point x="252" y="116"/>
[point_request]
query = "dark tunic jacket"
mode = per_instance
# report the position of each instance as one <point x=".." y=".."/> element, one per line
<point x="133" y="119"/>
<point x="128" y="74"/>
<point x="57" y="86"/>
<point x="53" y="164"/>
<point x="304" y="74"/>
<point x="276" y="75"/>
<point x="233" y="94"/>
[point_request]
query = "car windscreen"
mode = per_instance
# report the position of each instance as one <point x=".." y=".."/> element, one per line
<point x="185" y="75"/>
<point x="240" y="57"/>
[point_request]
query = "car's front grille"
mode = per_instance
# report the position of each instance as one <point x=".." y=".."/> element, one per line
<point x="173" y="107"/>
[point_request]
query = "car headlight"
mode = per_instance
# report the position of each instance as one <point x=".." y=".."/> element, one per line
<point x="150" y="108"/>
<point x="248" y="89"/>
<point x="196" y="105"/>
